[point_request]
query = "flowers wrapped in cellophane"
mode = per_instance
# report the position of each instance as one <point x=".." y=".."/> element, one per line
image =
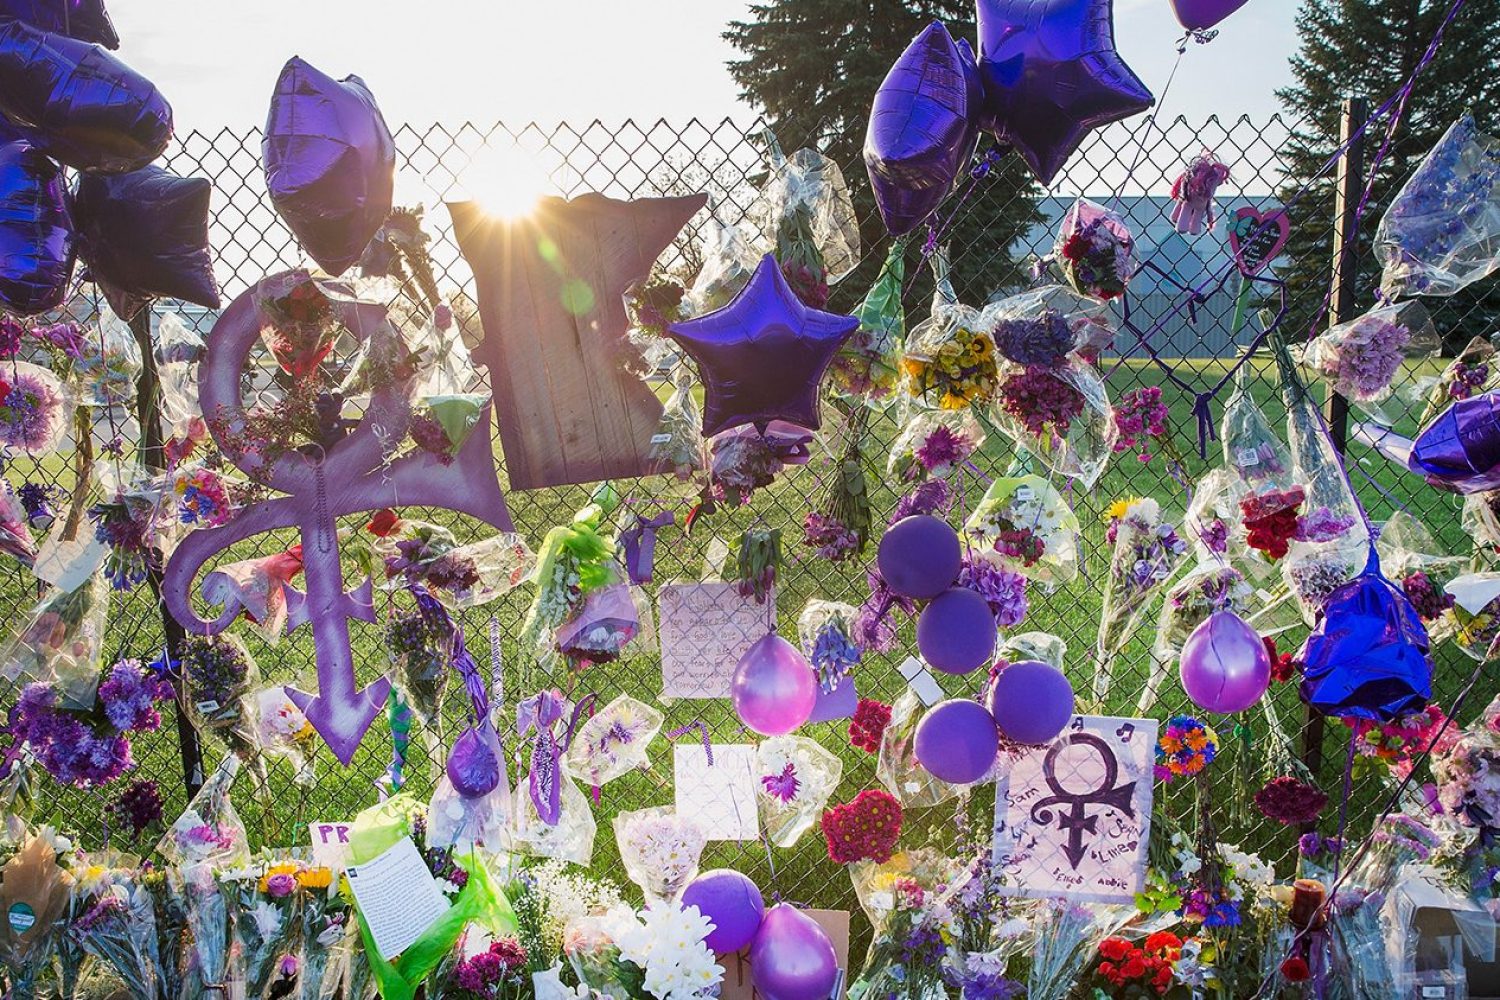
<point x="573" y="561"/>
<point x="1472" y="371"/>
<point x="608" y="619"/>
<point x="1095" y="250"/>
<point x="282" y="730"/>
<point x="442" y="422"/>
<point x="805" y="212"/>
<point x="1029" y="526"/>
<point x="658" y="952"/>
<point x="613" y="742"/>
<point x="110" y="363"/>
<point x="949" y="362"/>
<point x="1361" y="359"/>
<point x="218" y="676"/>
<point x="730" y="256"/>
<point x="660" y="850"/>
<point x="117" y="925"/>
<point x="796" y="776"/>
<point x="470" y="575"/>
<point x="1439" y="234"/>
<point x="1060" y="414"/>
<point x="62" y="643"/>
<point x="258" y="588"/>
<point x="933" y="444"/>
<point x="677" y="445"/>
<point x="867" y="365"/>
<point x="265" y="902"/>
<point x="1411" y="557"/>
<point x="1145" y="552"/>
<point x="33" y="410"/>
<point x="1063" y="937"/>
<point x="15" y="529"/>
<point x="34" y="891"/>
<point x="824" y="631"/>
<point x="1253" y="451"/>
<point x="421" y="650"/>
<point x="897" y="766"/>
<point x="569" y="838"/>
<point x="905" y="901"/>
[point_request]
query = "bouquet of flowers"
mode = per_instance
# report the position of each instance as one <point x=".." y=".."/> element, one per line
<point x="743" y="460"/>
<point x="1145" y="552"/>
<point x="1141" y="424"/>
<point x="549" y="898"/>
<point x="421" y="650"/>
<point x="1471" y="372"/>
<point x="118" y="928"/>
<point x="1060" y="414"/>
<point x="282" y="730"/>
<point x="804" y="210"/>
<point x="33" y="409"/>
<point x="1361" y="358"/>
<point x="442" y="422"/>
<point x="1063" y="937"/>
<point x="1467" y="774"/>
<point x="1438" y="234"/>
<point x="905" y="900"/>
<point x="1135" y="971"/>
<point x="108" y="368"/>
<point x="866" y="828"/>
<point x="867" y="365"/>
<point x="1253" y="451"/>
<point x="604" y="624"/>
<point x="1394" y="745"/>
<point x="823" y="629"/>
<point x="933" y="444"/>
<point x="1185" y="747"/>
<point x="127" y="524"/>
<point x="656" y="954"/>
<point x="677" y="445"/>
<point x="300" y="322"/>
<point x="34" y="891"/>
<point x="202" y="496"/>
<point x="61" y="643"/>
<point x="613" y="741"/>
<point x="651" y="305"/>
<point x="568" y="837"/>
<point x="498" y="972"/>
<point x="218" y="676"/>
<point x="1095" y="250"/>
<point x="729" y="260"/>
<point x="574" y="560"/>
<point x="660" y="851"/>
<point x="796" y="778"/>
<point x="257" y="588"/>
<point x="15" y="529"/>
<point x="326" y="918"/>
<point x="1026" y="522"/>
<point x="949" y="363"/>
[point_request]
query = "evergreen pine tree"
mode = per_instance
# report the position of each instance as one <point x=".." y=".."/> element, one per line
<point x="813" y="67"/>
<point x="1367" y="48"/>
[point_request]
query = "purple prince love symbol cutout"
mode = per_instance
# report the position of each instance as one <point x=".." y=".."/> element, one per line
<point x="349" y="478"/>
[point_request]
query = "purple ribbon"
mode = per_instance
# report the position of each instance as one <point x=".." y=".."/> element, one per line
<point x="702" y="728"/>
<point x="544" y="781"/>
<point x="639" y="544"/>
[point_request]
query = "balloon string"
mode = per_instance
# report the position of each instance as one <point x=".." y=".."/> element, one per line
<point x="1151" y="121"/>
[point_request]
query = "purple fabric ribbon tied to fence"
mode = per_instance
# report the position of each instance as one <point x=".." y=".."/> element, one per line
<point x="702" y="728"/>
<point x="639" y="544"/>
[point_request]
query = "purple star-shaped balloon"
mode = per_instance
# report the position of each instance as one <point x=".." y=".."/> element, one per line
<point x="1050" y="74"/>
<point x="762" y="356"/>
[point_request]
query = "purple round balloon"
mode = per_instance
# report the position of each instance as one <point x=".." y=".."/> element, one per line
<point x="919" y="556"/>
<point x="1051" y="74"/>
<point x="957" y="741"/>
<point x="791" y="957"/>
<point x="762" y="356"/>
<point x="1200" y="15"/>
<point x="919" y="133"/>
<point x="85" y="20"/>
<point x="36" y="232"/>
<point x="330" y="163"/>
<point x="1225" y="666"/>
<point x="1031" y="702"/>
<point x="774" y="688"/>
<point x="733" y="902"/>
<point x="956" y="633"/>
<point x="79" y="104"/>
<point x="1369" y="655"/>
<point x="473" y="764"/>
<point x="145" y="234"/>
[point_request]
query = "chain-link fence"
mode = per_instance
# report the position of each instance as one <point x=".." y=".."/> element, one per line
<point x="1128" y="166"/>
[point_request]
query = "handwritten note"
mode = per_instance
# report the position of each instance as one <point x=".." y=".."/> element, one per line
<point x="330" y="844"/>
<point x="397" y="896"/>
<point x="705" y="629"/>
<point x="1072" y="819"/>
<point x="720" y="797"/>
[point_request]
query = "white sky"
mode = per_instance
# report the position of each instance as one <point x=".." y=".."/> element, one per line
<point x="489" y="60"/>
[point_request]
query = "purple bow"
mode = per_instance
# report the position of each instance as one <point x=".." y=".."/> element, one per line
<point x="639" y="543"/>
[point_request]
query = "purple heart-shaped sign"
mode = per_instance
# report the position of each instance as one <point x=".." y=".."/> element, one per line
<point x="1256" y="238"/>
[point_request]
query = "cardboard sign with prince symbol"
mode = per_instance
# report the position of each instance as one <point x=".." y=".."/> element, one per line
<point x="1072" y="819"/>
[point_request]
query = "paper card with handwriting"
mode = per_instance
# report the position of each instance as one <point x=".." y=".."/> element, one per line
<point x="705" y="628"/>
<point x="717" y="789"/>
<point x="1072" y="819"/>
<point x="330" y="844"/>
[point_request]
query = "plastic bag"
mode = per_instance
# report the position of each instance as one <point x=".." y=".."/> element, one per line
<point x="1330" y="514"/>
<point x="571" y="838"/>
<point x="1026" y="521"/>
<point x="868" y="363"/>
<point x="1095" y="250"/>
<point x="442" y="423"/>
<point x="1441" y="231"/>
<point x="613" y="742"/>
<point x="209" y="831"/>
<point x="1476" y="613"/>
<point x="1059" y="415"/>
<point x="1312" y="572"/>
<point x="730" y="257"/>
<point x="62" y="643"/>
<point x="824" y="630"/>
<point x="805" y="212"/>
<point x="111" y="364"/>
<point x="465" y="824"/>
<point x="796" y="777"/>
<point x="420" y="650"/>
<point x="933" y="443"/>
<point x="660" y="850"/>
<point x="949" y="362"/>
<point x="466" y="575"/>
<point x="1212" y="515"/>
<point x="677" y="445"/>
<point x="282" y="730"/>
<point x="600" y="627"/>
<point x="1361" y="359"/>
<point x="1145" y="552"/>
<point x="1253" y="451"/>
<point x="897" y="766"/>
<point x="1472" y="371"/>
<point x="447" y="369"/>
<point x="34" y="409"/>
<point x="218" y="675"/>
<point x="15" y="529"/>
<point x="1406" y="546"/>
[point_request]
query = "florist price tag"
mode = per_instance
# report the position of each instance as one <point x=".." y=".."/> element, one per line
<point x="705" y="629"/>
<point x="1072" y="819"/>
<point x="330" y="844"/>
<point x="397" y="896"/>
<point x="719" y="796"/>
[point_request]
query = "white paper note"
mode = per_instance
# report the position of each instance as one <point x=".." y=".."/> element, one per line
<point x="921" y="680"/>
<point x="330" y="844"/>
<point x="398" y="897"/>
<point x="719" y="797"/>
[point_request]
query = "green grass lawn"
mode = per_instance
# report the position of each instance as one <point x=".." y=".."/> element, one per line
<point x="803" y="873"/>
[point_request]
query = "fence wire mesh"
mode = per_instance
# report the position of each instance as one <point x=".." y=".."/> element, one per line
<point x="1128" y="165"/>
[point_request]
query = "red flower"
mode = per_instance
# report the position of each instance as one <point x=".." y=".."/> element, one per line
<point x="383" y="522"/>
<point x="864" y="829"/>
<point x="1295" y="970"/>
<point x="1077" y="246"/>
<point x="868" y="724"/>
<point x="1271" y="520"/>
<point x="1162" y="941"/>
<point x="1283" y="666"/>
<point x="1114" y="948"/>
<point x="1134" y="967"/>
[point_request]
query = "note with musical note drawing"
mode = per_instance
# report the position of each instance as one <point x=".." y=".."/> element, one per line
<point x="1072" y="819"/>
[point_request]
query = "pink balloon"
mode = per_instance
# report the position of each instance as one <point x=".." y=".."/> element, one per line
<point x="957" y="741"/>
<point x="956" y="633"/>
<point x="774" y="689"/>
<point x="791" y="957"/>
<point x="1225" y="666"/>
<point x="1200" y="15"/>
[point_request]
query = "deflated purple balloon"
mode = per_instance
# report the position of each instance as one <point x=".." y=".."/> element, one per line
<point x="330" y="163"/>
<point x="762" y="356"/>
<point x="474" y="763"/>
<point x="36" y="232"/>
<point x="1200" y="15"/>
<point x="1369" y="656"/>
<point x="145" y="235"/>
<point x="85" y="20"/>
<point x="79" y="104"/>
<point x="1460" y="450"/>
<point x="1051" y="73"/>
<point x="919" y="134"/>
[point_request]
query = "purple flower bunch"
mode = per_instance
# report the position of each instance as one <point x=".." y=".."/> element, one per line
<point x="129" y="695"/>
<point x="1322" y="525"/>
<point x="1042" y="402"/>
<point x="485" y="975"/>
<point x="1140" y="417"/>
<point x="217" y="670"/>
<point x="139" y="807"/>
<point x="31" y="410"/>
<point x="1426" y="598"/>
<point x="834" y="654"/>
<point x="832" y="538"/>
<point x="1360" y="360"/>
<point x="1043" y="340"/>
<point x="126" y="528"/>
<point x="1467" y="379"/>
<point x="941" y="450"/>
<point x="1004" y="590"/>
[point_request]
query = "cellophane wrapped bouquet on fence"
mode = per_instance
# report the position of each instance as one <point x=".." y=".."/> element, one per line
<point x="1362" y="360"/>
<point x="911" y="919"/>
<point x="1145" y="552"/>
<point x="949" y="362"/>
<point x="1095" y="250"/>
<point x="1029" y="527"/>
<point x="805" y="213"/>
<point x="795" y="778"/>
<point x="1439" y="234"/>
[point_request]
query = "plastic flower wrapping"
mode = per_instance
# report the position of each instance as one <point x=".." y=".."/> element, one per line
<point x="933" y="444"/>
<point x="34" y="409"/>
<point x="660" y="850"/>
<point x="868" y="364"/>
<point x="1362" y="359"/>
<point x="1438" y="235"/>
<point x="1059" y="414"/>
<point x="1031" y="529"/>
<point x="1095" y="250"/>
<point x="108" y="367"/>
<point x="805" y="212"/>
<point x="570" y="838"/>
<point x="897" y="766"/>
<point x="949" y="362"/>
<point x="906" y="902"/>
<point x="1210" y="586"/>
<point x="282" y="731"/>
<point x="677" y="445"/>
<point x="825" y="630"/>
<point x="1145" y="552"/>
<point x="613" y="741"/>
<point x="795" y="777"/>
<point x="218" y="677"/>
<point x="257" y="588"/>
<point x="730" y="256"/>
<point x="61" y="643"/>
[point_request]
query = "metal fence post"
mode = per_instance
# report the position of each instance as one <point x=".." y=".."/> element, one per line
<point x="1348" y="184"/>
<point x="148" y="415"/>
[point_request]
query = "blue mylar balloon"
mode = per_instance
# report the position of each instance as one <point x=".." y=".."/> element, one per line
<point x="36" y="232"/>
<point x="79" y="104"/>
<point x="85" y="20"/>
<point x="145" y="234"/>
<point x="330" y="163"/>
<point x="919" y="133"/>
<point x="1369" y="656"/>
